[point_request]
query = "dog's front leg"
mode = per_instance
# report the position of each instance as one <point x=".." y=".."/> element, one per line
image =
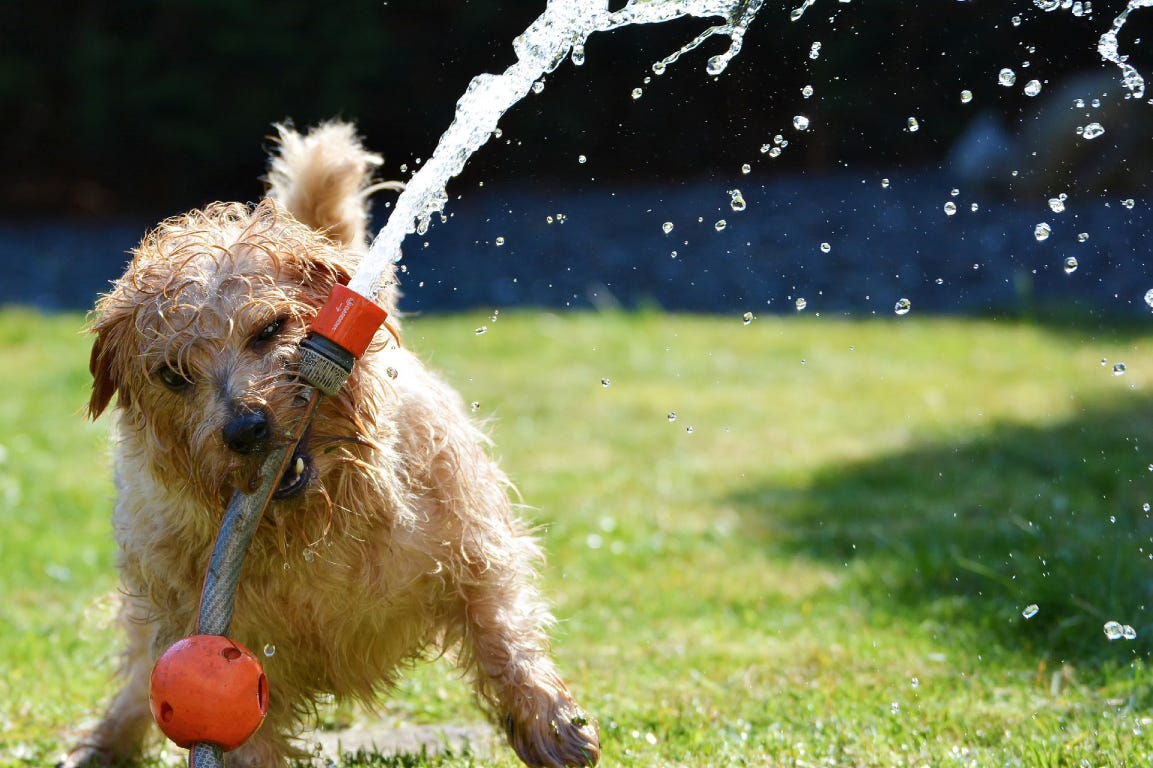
<point x="515" y="674"/>
<point x="120" y="734"/>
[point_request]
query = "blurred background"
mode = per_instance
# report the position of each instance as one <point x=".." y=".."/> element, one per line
<point x="116" y="114"/>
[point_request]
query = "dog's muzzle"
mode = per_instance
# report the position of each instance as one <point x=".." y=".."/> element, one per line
<point x="250" y="432"/>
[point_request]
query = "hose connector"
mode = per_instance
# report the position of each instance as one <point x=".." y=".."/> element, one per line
<point x="338" y="336"/>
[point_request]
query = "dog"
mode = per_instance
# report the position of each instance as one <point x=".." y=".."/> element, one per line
<point x="392" y="537"/>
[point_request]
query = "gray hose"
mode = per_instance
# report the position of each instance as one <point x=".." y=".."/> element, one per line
<point x="236" y="531"/>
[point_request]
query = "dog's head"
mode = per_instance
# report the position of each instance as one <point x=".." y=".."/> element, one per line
<point x="198" y="340"/>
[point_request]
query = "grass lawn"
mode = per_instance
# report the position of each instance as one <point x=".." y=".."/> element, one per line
<point x="803" y="541"/>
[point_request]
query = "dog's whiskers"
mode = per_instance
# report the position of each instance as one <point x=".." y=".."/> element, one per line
<point x="331" y="442"/>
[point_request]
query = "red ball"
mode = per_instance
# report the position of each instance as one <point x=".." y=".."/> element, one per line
<point x="208" y="688"/>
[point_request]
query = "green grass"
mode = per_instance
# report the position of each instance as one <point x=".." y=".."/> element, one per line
<point x="823" y="560"/>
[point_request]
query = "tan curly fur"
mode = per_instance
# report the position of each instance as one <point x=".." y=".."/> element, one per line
<point x="398" y="542"/>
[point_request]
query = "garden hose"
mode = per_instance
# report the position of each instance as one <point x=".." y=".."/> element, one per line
<point x="338" y="336"/>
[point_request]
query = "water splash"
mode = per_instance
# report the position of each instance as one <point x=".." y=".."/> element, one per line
<point x="1108" y="47"/>
<point x="556" y="35"/>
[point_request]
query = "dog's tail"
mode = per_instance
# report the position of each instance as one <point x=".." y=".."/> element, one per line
<point x="324" y="179"/>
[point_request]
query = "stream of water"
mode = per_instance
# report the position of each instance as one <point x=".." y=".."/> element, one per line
<point x="557" y="34"/>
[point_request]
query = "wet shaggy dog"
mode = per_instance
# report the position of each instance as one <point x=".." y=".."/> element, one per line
<point x="391" y="538"/>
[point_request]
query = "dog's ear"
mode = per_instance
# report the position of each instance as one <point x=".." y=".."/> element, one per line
<point x="104" y="364"/>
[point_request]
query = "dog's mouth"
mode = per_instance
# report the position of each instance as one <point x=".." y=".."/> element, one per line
<point x="298" y="473"/>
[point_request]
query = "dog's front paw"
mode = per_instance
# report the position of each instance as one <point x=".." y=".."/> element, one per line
<point x="88" y="756"/>
<point x="566" y="738"/>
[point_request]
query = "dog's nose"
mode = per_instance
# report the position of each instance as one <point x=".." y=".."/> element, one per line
<point x="247" y="432"/>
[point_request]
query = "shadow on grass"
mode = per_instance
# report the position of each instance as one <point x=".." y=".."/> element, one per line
<point x="964" y="537"/>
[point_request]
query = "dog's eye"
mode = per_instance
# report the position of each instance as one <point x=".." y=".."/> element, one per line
<point x="172" y="378"/>
<point x="269" y="331"/>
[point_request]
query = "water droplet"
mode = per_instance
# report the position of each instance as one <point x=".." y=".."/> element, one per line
<point x="1032" y="88"/>
<point x="689" y="429"/>
<point x="667" y="227"/>
<point x="800" y="122"/>
<point x="1016" y="21"/>
<point x="1129" y="203"/>
<point x="269" y="650"/>
<point x="637" y="93"/>
<point x="481" y="331"/>
<point x="672" y="416"/>
<point x="578" y="54"/>
<point x="746" y="169"/>
<point x="815" y="51"/>
<point x="895" y="708"/>
<point x="309" y="555"/>
<point x="954" y="192"/>
<point x="605" y="382"/>
<point x="1070" y="265"/>
<point x="975" y="207"/>
<point x="1056" y="205"/>
<point x="1030" y="611"/>
<point x="499" y="241"/>
<point x="1114" y="630"/>
<point x="913" y="125"/>
<point x="775" y="152"/>
<point x="720" y="225"/>
<point x="807" y="91"/>
<point x="884" y="183"/>
<point x="825" y="247"/>
<point x="538" y="86"/>
<point x="902" y="306"/>
<point x="716" y="64"/>
<point x="1128" y="632"/>
<point x="801" y="304"/>
<point x="1092" y="131"/>
<point x="475" y="406"/>
<point x="737" y="201"/>
<point x="1149" y="298"/>
<point x="1042" y="232"/>
<point x="390" y="372"/>
<point x="747" y="318"/>
<point x="966" y="96"/>
<point x="1119" y="369"/>
<point x="1145" y="507"/>
<point x="950" y="208"/>
<point x="582" y="159"/>
<point x="1006" y="77"/>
